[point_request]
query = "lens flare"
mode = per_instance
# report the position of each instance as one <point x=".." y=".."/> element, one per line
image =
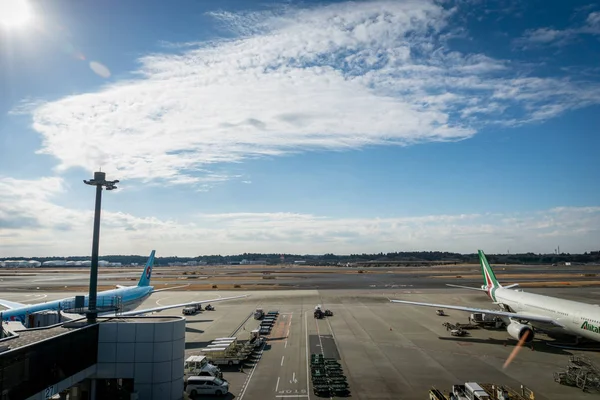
<point x="100" y="69"/>
<point x="516" y="350"/>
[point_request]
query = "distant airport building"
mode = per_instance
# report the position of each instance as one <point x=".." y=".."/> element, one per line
<point x="54" y="263"/>
<point x="253" y="262"/>
<point x="86" y="263"/>
<point x="191" y="263"/>
<point x="20" y="263"/>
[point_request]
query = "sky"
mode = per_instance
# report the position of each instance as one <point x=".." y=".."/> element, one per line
<point x="300" y="127"/>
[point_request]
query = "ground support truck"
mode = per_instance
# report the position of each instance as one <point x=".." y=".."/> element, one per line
<point x="482" y="391"/>
<point x="199" y="366"/>
<point x="501" y="392"/>
<point x="230" y="351"/>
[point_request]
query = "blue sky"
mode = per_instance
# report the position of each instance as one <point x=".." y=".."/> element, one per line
<point x="303" y="127"/>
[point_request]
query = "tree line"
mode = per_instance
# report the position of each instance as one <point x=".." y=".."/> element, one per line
<point x="333" y="259"/>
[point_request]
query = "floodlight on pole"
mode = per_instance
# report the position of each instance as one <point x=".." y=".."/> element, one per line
<point x="99" y="181"/>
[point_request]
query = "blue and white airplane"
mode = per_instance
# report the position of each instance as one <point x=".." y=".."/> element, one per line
<point x="127" y="298"/>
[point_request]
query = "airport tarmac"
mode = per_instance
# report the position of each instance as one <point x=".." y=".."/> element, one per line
<point x="387" y="351"/>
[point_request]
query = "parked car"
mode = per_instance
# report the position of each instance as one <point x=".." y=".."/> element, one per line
<point x="206" y="385"/>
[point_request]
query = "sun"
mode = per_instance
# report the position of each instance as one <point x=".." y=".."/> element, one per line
<point x="14" y="13"/>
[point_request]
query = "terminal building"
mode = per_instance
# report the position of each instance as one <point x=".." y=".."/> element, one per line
<point x="113" y="358"/>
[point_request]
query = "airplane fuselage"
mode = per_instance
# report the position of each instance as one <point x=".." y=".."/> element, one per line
<point x="579" y="319"/>
<point x="128" y="298"/>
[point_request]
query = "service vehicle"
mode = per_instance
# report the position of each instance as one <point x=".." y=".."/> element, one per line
<point x="199" y="366"/>
<point x="189" y="310"/>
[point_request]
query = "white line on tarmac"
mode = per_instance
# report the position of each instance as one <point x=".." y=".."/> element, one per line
<point x="289" y="326"/>
<point x="320" y="342"/>
<point x="307" y="370"/>
<point x="285" y="347"/>
<point x="36" y="297"/>
<point x="330" y="329"/>
<point x="282" y="357"/>
<point x="277" y="386"/>
<point x="251" y="374"/>
<point x="319" y="335"/>
<point x="292" y="395"/>
<point x="164" y="298"/>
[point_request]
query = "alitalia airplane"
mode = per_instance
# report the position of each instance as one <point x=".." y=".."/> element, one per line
<point x="523" y="311"/>
<point x="127" y="298"/>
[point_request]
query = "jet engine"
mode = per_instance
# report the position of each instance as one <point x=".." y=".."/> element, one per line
<point x="518" y="330"/>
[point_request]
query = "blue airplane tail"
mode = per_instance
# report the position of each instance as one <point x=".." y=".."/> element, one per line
<point x="145" y="278"/>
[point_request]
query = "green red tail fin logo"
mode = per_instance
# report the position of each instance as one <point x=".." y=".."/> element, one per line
<point x="489" y="277"/>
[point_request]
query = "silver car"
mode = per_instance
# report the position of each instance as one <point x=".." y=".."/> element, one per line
<point x="206" y="385"/>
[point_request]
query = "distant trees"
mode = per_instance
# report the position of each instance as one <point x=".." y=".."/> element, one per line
<point x="333" y="259"/>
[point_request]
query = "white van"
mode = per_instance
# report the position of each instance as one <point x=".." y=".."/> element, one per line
<point x="206" y="385"/>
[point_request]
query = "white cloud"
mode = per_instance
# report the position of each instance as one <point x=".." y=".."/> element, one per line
<point x="559" y="37"/>
<point x="330" y="77"/>
<point x="32" y="224"/>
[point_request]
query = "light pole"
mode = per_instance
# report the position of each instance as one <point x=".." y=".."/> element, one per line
<point x="99" y="181"/>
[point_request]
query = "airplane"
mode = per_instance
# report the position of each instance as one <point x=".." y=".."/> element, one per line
<point x="127" y="298"/>
<point x="526" y="311"/>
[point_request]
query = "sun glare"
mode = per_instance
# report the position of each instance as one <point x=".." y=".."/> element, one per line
<point x="14" y="13"/>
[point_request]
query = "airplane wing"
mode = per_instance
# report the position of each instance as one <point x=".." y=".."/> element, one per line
<point x="11" y="304"/>
<point x="170" y="288"/>
<point x="510" y="286"/>
<point x="533" y="318"/>
<point x="481" y="289"/>
<point x="190" y="303"/>
<point x="466" y="287"/>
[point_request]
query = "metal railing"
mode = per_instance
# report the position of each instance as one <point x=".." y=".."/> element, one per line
<point x="103" y="304"/>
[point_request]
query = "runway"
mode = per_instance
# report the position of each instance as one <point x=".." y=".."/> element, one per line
<point x="276" y="277"/>
<point x="387" y="351"/>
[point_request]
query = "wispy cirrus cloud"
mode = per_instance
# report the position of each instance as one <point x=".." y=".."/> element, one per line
<point x="559" y="37"/>
<point x="332" y="77"/>
<point x="38" y="226"/>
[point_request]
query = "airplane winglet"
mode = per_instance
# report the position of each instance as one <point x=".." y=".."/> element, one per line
<point x="466" y="287"/>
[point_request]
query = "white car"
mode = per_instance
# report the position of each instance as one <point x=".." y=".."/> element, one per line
<point x="206" y="385"/>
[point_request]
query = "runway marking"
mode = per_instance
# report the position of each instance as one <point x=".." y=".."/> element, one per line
<point x="287" y="335"/>
<point x="158" y="302"/>
<point x="282" y="357"/>
<point x="319" y="335"/>
<point x="164" y="298"/>
<point x="247" y="382"/>
<point x="330" y="328"/>
<point x="293" y="395"/>
<point x="320" y="342"/>
<point x="36" y="297"/>
<point x="277" y="386"/>
<point x="294" y="380"/>
<point x="285" y="347"/>
<point x="307" y="369"/>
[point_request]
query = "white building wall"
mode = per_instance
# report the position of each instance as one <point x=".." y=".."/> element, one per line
<point x="152" y="353"/>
